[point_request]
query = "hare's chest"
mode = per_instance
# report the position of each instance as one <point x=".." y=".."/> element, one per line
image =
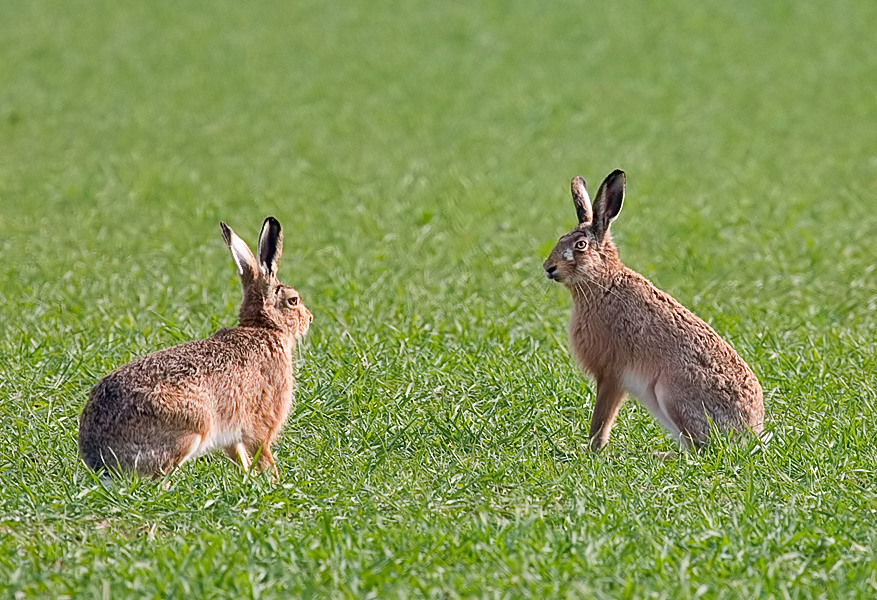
<point x="276" y="395"/>
<point x="590" y="346"/>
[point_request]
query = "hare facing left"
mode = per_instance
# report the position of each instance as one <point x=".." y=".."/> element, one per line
<point x="231" y="391"/>
<point x="635" y="339"/>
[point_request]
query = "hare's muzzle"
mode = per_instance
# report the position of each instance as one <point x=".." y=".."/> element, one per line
<point x="551" y="272"/>
<point x="304" y="323"/>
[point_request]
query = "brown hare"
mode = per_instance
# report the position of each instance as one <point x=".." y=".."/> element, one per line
<point x="635" y="339"/>
<point x="231" y="391"/>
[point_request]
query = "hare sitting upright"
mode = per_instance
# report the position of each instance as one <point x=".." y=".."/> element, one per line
<point x="230" y="391"/>
<point x="633" y="338"/>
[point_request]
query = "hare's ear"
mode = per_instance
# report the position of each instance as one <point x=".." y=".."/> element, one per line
<point x="248" y="269"/>
<point x="580" y="198"/>
<point x="270" y="246"/>
<point x="610" y="197"/>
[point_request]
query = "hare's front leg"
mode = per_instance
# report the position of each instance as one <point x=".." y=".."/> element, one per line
<point x="609" y="399"/>
<point x="238" y="453"/>
<point x="266" y="461"/>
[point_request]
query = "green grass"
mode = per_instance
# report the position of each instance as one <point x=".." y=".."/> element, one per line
<point x="418" y="156"/>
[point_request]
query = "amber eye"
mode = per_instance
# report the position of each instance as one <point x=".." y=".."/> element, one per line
<point x="581" y="244"/>
<point x="292" y="301"/>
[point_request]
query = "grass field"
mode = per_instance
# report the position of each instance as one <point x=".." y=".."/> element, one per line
<point x="418" y="155"/>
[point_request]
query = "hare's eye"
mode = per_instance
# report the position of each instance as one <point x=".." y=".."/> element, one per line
<point x="581" y="244"/>
<point x="292" y="301"/>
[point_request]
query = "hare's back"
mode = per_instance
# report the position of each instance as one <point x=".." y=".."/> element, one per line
<point x="223" y="352"/>
<point x="685" y="350"/>
<point x="663" y="333"/>
<point x="165" y="386"/>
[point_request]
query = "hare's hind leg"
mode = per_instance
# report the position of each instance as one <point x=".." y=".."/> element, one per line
<point x="681" y="411"/>
<point x="188" y="447"/>
<point x="165" y="455"/>
<point x="688" y="421"/>
<point x="177" y="450"/>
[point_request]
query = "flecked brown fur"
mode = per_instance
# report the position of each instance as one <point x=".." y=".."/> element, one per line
<point x="635" y="339"/>
<point x="231" y="391"/>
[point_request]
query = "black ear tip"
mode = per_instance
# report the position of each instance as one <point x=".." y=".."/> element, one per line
<point x="226" y="231"/>
<point x="272" y="222"/>
<point x="618" y="173"/>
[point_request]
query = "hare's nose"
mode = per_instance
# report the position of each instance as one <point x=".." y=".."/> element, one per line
<point x="551" y="271"/>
